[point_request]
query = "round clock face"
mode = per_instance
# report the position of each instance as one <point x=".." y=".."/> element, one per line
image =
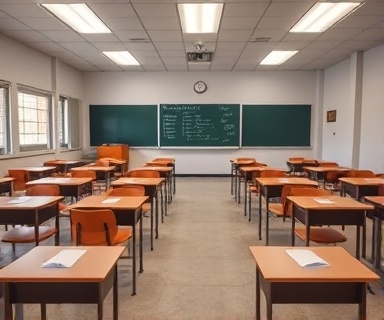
<point x="200" y="87"/>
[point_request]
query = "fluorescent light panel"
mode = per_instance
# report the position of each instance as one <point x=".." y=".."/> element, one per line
<point x="324" y="15"/>
<point x="122" y="58"/>
<point x="78" y="16"/>
<point x="200" y="17"/>
<point x="277" y="57"/>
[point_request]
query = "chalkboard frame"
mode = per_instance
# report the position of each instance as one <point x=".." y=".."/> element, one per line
<point x="276" y="125"/>
<point x="224" y="118"/>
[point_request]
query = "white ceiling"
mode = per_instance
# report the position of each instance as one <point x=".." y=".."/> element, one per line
<point x="151" y="31"/>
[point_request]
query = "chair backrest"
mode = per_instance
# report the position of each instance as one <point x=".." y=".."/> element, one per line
<point x="333" y="176"/>
<point x="93" y="227"/>
<point x="354" y="173"/>
<point x="84" y="174"/>
<point x="296" y="159"/>
<point x="129" y="190"/>
<point x="156" y="164"/>
<point x="43" y="190"/>
<point x="142" y="174"/>
<point x="245" y="159"/>
<point x="310" y="163"/>
<point x="309" y="192"/>
<point x="21" y="178"/>
<point x="286" y="191"/>
<point x="272" y="173"/>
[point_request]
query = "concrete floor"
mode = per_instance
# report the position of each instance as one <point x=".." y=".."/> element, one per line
<point x="201" y="266"/>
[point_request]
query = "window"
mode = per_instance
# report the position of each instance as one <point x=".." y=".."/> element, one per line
<point x="4" y="118"/>
<point x="68" y="119"/>
<point x="34" y="119"/>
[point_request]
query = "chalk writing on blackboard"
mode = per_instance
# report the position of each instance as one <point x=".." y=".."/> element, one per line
<point x="194" y="125"/>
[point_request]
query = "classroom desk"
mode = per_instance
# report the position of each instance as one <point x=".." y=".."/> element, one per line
<point x="249" y="172"/>
<point x="6" y="185"/>
<point x="271" y="188"/>
<point x="37" y="172"/>
<point x="283" y="280"/>
<point x="169" y="162"/>
<point x="121" y="165"/>
<point x="337" y="211"/>
<point x="235" y="164"/>
<point x="128" y="213"/>
<point x="103" y="173"/>
<point x="319" y="173"/>
<point x="378" y="217"/>
<point x="69" y="187"/>
<point x="88" y="281"/>
<point x="165" y="172"/>
<point x="151" y="186"/>
<point x="34" y="211"/>
<point x="360" y="187"/>
<point x="296" y="166"/>
<point x="63" y="166"/>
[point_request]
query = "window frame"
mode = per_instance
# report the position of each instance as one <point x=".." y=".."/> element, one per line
<point x="49" y="119"/>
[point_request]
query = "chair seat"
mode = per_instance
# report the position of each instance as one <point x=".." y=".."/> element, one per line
<point x="26" y="234"/>
<point x="321" y="235"/>
<point x="277" y="209"/>
<point x="123" y="235"/>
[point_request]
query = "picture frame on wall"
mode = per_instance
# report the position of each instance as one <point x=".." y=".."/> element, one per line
<point x="331" y="116"/>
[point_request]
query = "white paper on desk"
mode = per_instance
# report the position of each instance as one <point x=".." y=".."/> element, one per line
<point x="326" y="201"/>
<point x="306" y="258"/>
<point x="110" y="200"/>
<point x="19" y="200"/>
<point x="64" y="259"/>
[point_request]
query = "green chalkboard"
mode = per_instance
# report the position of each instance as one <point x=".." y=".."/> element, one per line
<point x="276" y="125"/>
<point x="135" y="125"/>
<point x="199" y="125"/>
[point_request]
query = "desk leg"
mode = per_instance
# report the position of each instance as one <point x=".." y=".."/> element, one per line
<point x="100" y="308"/>
<point x="134" y="258"/>
<point x="152" y="223"/>
<point x="141" y="243"/>
<point x="236" y="182"/>
<point x="358" y="241"/>
<point x="43" y="311"/>
<point x="249" y="204"/>
<point x="293" y="227"/>
<point x="258" y="317"/>
<point x="363" y="301"/>
<point x="245" y="197"/>
<point x="267" y="218"/>
<point x="232" y="168"/>
<point x="115" y="295"/>
<point x="260" y="204"/>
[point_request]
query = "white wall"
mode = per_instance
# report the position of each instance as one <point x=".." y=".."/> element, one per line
<point x="20" y="64"/>
<point x="372" y="120"/>
<point x="223" y="87"/>
<point x="338" y="137"/>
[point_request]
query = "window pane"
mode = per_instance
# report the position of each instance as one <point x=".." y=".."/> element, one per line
<point x="69" y="122"/>
<point x="34" y="121"/>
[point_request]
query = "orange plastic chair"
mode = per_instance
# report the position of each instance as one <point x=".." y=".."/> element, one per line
<point x="355" y="173"/>
<point x="323" y="234"/>
<point x="97" y="228"/>
<point x="142" y="174"/>
<point x="48" y="190"/>
<point x="130" y="191"/>
<point x="21" y="178"/>
<point x="98" y="186"/>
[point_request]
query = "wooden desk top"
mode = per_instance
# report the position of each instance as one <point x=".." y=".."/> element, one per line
<point x="58" y="162"/>
<point x="94" y="168"/>
<point x="241" y="162"/>
<point x="60" y="181"/>
<point x="164" y="160"/>
<point x="113" y="160"/>
<point x="34" y="202"/>
<point x="333" y="203"/>
<point x="97" y="202"/>
<point x="377" y="201"/>
<point x="277" y="266"/>
<point x="326" y="169"/>
<point x="283" y="181"/>
<point x="6" y="179"/>
<point x="258" y="168"/>
<point x="35" y="169"/>
<point x="93" y="266"/>
<point x="363" y="181"/>
<point x="164" y="169"/>
<point x="141" y="181"/>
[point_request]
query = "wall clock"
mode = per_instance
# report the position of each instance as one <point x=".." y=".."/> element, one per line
<point x="200" y="87"/>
